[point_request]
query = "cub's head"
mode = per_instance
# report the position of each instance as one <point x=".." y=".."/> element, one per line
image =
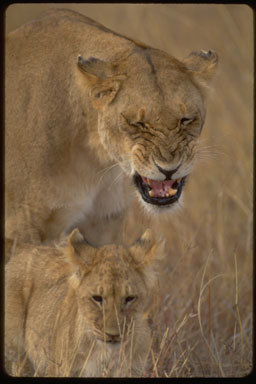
<point x="151" y="113"/>
<point x="113" y="284"/>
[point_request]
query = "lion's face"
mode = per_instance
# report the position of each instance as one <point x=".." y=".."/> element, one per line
<point x="151" y="121"/>
<point x="113" y="286"/>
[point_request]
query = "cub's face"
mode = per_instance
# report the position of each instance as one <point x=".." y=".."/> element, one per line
<point x="112" y="285"/>
<point x="112" y="296"/>
<point x="150" y="120"/>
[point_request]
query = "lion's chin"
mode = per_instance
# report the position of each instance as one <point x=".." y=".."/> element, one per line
<point x="161" y="194"/>
<point x="161" y="210"/>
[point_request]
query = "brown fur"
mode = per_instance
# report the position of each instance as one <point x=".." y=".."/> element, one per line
<point x="72" y="132"/>
<point x="52" y="321"/>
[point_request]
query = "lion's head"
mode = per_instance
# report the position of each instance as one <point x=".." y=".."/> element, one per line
<point x="151" y="113"/>
<point x="113" y="285"/>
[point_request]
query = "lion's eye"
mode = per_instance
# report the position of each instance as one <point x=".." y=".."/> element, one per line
<point x="97" y="298"/>
<point x="139" y="124"/>
<point x="186" y="121"/>
<point x="130" y="299"/>
<point x="101" y="94"/>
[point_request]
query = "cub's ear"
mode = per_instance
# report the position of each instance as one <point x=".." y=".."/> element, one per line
<point x="141" y="248"/>
<point x="147" y="249"/>
<point x="76" y="241"/>
<point x="80" y="256"/>
<point x="147" y="253"/>
<point x="100" y="78"/>
<point x="202" y="65"/>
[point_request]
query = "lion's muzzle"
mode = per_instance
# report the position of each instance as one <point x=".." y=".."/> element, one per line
<point x="159" y="192"/>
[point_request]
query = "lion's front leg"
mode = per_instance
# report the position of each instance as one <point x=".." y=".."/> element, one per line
<point x="27" y="223"/>
<point x="105" y="230"/>
<point x="123" y="228"/>
<point x="106" y="222"/>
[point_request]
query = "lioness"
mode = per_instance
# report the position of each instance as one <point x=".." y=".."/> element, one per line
<point x="78" y="310"/>
<point x="92" y="116"/>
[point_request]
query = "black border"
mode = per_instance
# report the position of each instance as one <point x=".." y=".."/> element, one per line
<point x="3" y="375"/>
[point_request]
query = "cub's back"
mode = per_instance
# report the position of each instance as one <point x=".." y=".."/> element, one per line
<point x="39" y="266"/>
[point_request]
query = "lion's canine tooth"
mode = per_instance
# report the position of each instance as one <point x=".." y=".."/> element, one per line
<point x="148" y="181"/>
<point x="151" y="193"/>
<point x="172" y="192"/>
<point x="179" y="180"/>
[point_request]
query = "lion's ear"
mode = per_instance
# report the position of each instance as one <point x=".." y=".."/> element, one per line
<point x="100" y="79"/>
<point x="104" y="93"/>
<point x="202" y="65"/>
<point x="80" y="256"/>
<point x="93" y="67"/>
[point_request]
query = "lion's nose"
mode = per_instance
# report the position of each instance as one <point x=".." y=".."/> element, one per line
<point x="168" y="174"/>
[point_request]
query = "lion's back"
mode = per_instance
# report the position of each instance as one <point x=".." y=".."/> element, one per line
<point x="60" y="31"/>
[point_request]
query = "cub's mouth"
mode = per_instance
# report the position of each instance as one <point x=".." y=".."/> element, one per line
<point x="159" y="192"/>
<point x="109" y="341"/>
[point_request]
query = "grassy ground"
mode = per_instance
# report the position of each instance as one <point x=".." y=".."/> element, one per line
<point x="202" y="317"/>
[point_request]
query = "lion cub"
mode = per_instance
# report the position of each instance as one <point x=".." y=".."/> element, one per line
<point x="80" y="310"/>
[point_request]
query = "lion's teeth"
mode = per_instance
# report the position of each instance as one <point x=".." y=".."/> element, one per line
<point x="172" y="192"/>
<point x="179" y="180"/>
<point x="151" y="193"/>
<point x="148" y="181"/>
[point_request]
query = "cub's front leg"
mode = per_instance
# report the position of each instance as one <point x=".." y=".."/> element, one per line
<point x="14" y="327"/>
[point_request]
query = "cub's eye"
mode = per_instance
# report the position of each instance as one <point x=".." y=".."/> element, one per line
<point x="130" y="299"/>
<point x="97" y="299"/>
<point x="186" y="121"/>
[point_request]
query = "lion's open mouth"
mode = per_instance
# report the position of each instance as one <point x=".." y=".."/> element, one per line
<point x="159" y="192"/>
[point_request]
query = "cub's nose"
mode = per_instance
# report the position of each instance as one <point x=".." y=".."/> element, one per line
<point x="111" y="338"/>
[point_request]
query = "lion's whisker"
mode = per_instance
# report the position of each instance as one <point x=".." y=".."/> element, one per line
<point x="115" y="180"/>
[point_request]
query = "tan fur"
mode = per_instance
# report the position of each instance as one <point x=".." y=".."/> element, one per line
<point x="53" y="324"/>
<point x="72" y="135"/>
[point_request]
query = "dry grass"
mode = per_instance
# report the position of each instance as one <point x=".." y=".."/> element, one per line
<point x="202" y="317"/>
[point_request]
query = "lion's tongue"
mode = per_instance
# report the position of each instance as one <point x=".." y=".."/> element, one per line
<point x="160" y="188"/>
